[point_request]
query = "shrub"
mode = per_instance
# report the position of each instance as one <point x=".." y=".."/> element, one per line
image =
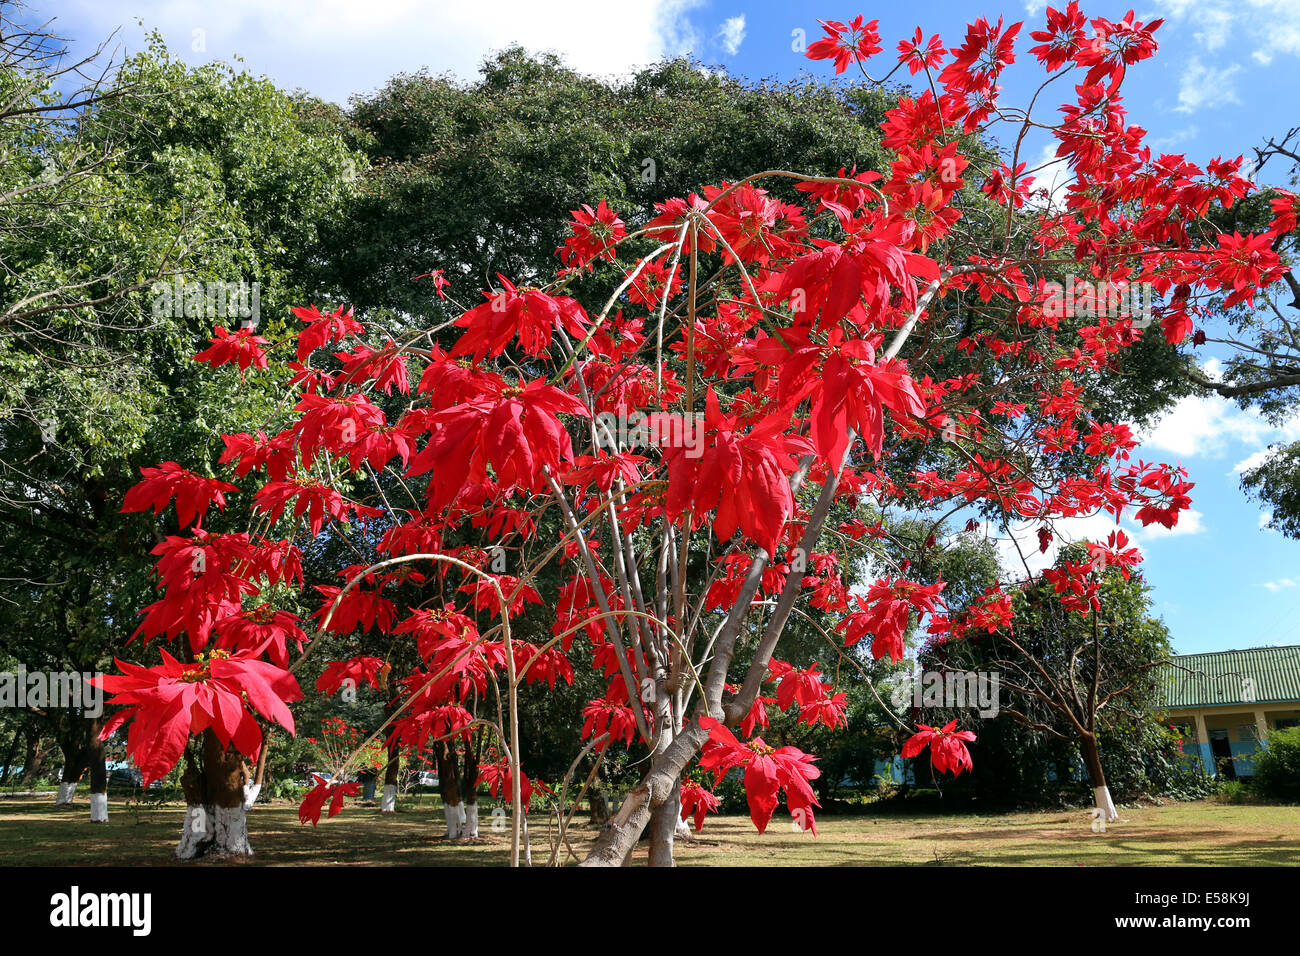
<point x="1277" y="766"/>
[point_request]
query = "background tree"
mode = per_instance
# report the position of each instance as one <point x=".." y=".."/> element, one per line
<point x="164" y="174"/>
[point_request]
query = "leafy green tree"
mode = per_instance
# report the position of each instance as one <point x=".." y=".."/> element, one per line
<point x="1072" y="688"/>
<point x="203" y="177"/>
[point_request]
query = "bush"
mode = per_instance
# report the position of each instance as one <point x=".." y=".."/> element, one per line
<point x="1277" y="767"/>
<point x="1231" y="791"/>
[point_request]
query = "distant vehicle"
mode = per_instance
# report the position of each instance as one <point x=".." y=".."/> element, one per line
<point x="426" y="778"/>
<point x="125" y="777"/>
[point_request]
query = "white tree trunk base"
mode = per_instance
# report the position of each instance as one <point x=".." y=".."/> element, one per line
<point x="469" y="828"/>
<point x="1101" y="799"/>
<point x="99" y="808"/>
<point x="214" y="831"/>
<point x="389" y="802"/>
<point x="455" y="817"/>
<point x="195" y="833"/>
<point x="66" y="791"/>
<point x="684" y="832"/>
<point x="251" y="792"/>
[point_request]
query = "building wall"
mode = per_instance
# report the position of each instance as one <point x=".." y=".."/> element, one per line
<point x="1240" y="724"/>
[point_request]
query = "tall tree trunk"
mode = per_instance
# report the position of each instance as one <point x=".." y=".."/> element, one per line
<point x="98" y="772"/>
<point x="1096" y="776"/>
<point x="664" y="816"/>
<point x="449" y="786"/>
<point x="254" y="779"/>
<point x="469" y="790"/>
<point x="215" y="820"/>
<point x="598" y="799"/>
<point x="389" y="802"/>
<point x="73" y="744"/>
<point x="9" y="757"/>
<point x="34" y="761"/>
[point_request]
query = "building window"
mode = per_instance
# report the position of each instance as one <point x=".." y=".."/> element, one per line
<point x="1248" y="733"/>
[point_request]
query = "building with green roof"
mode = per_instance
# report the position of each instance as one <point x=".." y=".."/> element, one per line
<point x="1224" y="703"/>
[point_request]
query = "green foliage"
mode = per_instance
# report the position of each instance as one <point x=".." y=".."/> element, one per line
<point x="1028" y="755"/>
<point x="1277" y="766"/>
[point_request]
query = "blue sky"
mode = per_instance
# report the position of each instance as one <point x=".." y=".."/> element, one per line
<point x="1225" y="79"/>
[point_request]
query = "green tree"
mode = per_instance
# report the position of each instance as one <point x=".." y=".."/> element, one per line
<point x="204" y="177"/>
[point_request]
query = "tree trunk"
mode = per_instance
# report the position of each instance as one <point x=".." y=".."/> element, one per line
<point x="9" y="757"/>
<point x="216" y="822"/>
<point x="35" y="756"/>
<point x="1097" y="777"/>
<point x="389" y="803"/>
<point x="618" y="838"/>
<point x="253" y="781"/>
<point x="73" y="745"/>
<point x="469" y="789"/>
<point x="663" y="817"/>
<point x="598" y="800"/>
<point x="98" y="773"/>
<point x="449" y="786"/>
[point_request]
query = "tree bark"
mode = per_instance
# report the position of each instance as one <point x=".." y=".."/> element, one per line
<point x="618" y="838"/>
<point x="98" y="773"/>
<point x="73" y="745"/>
<point x="35" y="756"/>
<point x="389" y="802"/>
<point x="216" y="822"/>
<point x="469" y="790"/>
<point x="449" y="787"/>
<point x="9" y="757"/>
<point x="1096" y="776"/>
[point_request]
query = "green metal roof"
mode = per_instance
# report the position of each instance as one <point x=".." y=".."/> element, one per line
<point x="1226" y="677"/>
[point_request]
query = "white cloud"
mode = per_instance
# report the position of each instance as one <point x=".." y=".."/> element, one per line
<point x="1264" y="518"/>
<point x="1021" y="548"/>
<point x="1272" y="27"/>
<point x="1203" y="425"/>
<point x="1204" y="87"/>
<point x="732" y="34"/>
<point x="1252" y="462"/>
<point x="1186" y="134"/>
<point x="338" y="47"/>
<point x="1051" y="172"/>
<point x="1279" y="584"/>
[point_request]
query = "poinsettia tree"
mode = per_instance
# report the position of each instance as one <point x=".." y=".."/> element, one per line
<point x="651" y="472"/>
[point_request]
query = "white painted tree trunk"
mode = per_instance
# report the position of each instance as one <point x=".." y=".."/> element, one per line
<point x="99" y="808"/>
<point x="231" y="832"/>
<point x="1101" y="798"/>
<point x="214" y="831"/>
<point x="455" y="817"/>
<point x="684" y="831"/>
<point x="251" y="792"/>
<point x="469" y="829"/>
<point x="66" y="791"/>
<point x="389" y="802"/>
<point x="196" y="831"/>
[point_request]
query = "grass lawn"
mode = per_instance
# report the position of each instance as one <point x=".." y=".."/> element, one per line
<point x="34" y="833"/>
